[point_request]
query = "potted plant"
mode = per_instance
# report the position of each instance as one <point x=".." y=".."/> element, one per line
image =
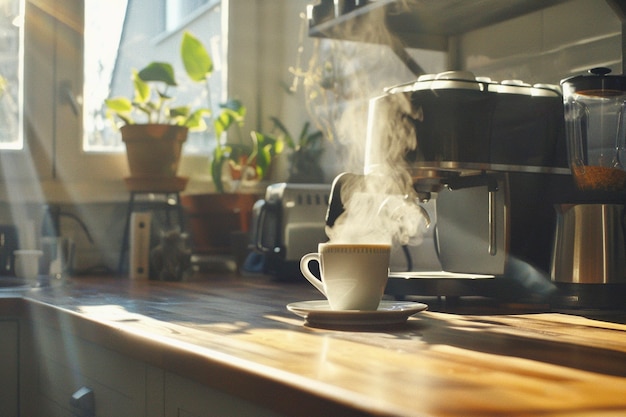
<point x="247" y="160"/>
<point x="152" y="128"/>
<point x="306" y="151"/>
<point x="220" y="220"/>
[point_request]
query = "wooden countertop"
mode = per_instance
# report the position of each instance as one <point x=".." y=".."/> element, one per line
<point x="236" y="335"/>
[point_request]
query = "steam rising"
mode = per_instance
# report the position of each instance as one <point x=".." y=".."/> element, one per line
<point x="380" y="207"/>
<point x="375" y="214"/>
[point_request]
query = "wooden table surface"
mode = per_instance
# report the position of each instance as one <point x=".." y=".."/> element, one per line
<point x="235" y="334"/>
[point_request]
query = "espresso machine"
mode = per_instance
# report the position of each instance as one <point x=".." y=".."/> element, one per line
<point x="489" y="161"/>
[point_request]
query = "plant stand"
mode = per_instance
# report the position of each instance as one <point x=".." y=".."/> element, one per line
<point x="162" y="196"/>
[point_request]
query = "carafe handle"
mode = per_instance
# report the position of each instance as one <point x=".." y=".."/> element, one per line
<point x="620" y="138"/>
<point x="576" y="115"/>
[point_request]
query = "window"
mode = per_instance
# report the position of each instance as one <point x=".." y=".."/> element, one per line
<point x="119" y="37"/>
<point x="103" y="31"/>
<point x="11" y="62"/>
<point x="60" y="60"/>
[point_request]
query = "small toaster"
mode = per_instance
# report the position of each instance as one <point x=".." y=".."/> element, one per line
<point x="288" y="223"/>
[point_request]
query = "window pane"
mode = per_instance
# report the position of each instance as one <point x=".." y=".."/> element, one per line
<point x="121" y="35"/>
<point x="103" y="29"/>
<point x="11" y="58"/>
<point x="179" y="11"/>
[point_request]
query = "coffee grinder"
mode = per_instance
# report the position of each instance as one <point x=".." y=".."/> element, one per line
<point x="589" y="257"/>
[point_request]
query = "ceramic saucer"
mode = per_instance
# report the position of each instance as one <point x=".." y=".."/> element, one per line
<point x="318" y="312"/>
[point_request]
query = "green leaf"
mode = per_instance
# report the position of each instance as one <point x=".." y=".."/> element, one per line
<point x="222" y="123"/>
<point x="303" y="132"/>
<point x="267" y="147"/>
<point x="264" y="158"/>
<point x="288" y="138"/>
<point x="119" y="104"/>
<point x="159" y="72"/>
<point x="225" y="120"/>
<point x="164" y="96"/>
<point x="216" y="169"/>
<point x="236" y="106"/>
<point x="142" y="89"/>
<point x="196" y="59"/>
<point x="124" y="116"/>
<point x="147" y="108"/>
<point x="181" y="111"/>
<point x="279" y="146"/>
<point x="232" y="112"/>
<point x="196" y="120"/>
<point x="280" y="126"/>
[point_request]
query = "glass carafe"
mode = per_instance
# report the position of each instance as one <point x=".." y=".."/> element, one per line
<point x="595" y="107"/>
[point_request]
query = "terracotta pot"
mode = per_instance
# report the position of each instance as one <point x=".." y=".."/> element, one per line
<point x="235" y="171"/>
<point x="153" y="150"/>
<point x="213" y="218"/>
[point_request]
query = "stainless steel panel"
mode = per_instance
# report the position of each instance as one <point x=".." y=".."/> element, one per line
<point x="589" y="244"/>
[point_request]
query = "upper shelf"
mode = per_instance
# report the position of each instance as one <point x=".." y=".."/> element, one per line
<point x="425" y="24"/>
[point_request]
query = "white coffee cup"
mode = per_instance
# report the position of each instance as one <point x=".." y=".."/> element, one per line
<point x="27" y="263"/>
<point x="353" y="276"/>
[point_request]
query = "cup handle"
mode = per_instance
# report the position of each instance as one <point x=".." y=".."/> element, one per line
<point x="304" y="268"/>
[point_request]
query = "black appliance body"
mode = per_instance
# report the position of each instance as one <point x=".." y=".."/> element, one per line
<point x="492" y="156"/>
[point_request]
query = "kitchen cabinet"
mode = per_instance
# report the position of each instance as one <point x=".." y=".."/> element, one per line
<point x="433" y="25"/>
<point x="186" y="398"/>
<point x="67" y="363"/>
<point x="122" y="386"/>
<point x="9" y="369"/>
